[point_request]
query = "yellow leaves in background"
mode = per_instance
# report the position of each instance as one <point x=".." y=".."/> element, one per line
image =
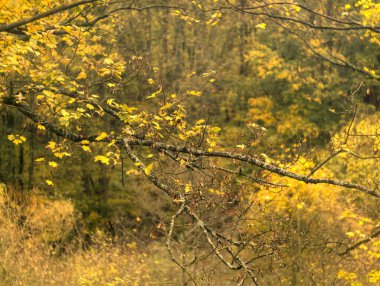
<point x="300" y="205"/>
<point x="49" y="183"/>
<point x="16" y="139"/>
<point x="102" y="159"/>
<point x="41" y="127"/>
<point x="261" y="110"/>
<point x="350" y="234"/>
<point x="261" y="26"/>
<point x="81" y="75"/>
<point x="57" y="150"/>
<point x="215" y="129"/>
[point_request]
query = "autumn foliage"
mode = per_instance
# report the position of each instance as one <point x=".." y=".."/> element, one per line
<point x="189" y="142"/>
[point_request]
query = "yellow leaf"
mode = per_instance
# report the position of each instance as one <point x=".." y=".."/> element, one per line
<point x="61" y="154"/>
<point x="200" y="121"/>
<point x="85" y="142"/>
<point x="155" y="93"/>
<point x="101" y="136"/>
<point x="108" y="61"/>
<point x="261" y="26"/>
<point x="49" y="183"/>
<point x="188" y="188"/>
<point x="148" y="169"/>
<point x="90" y="106"/>
<point x="150" y="81"/>
<point x="194" y="92"/>
<point x="82" y="75"/>
<point x="300" y="206"/>
<point x="39" y="160"/>
<point x="41" y="127"/>
<point x="86" y="148"/>
<point x="166" y="106"/>
<point x="350" y="234"/>
<point x="48" y="93"/>
<point x="113" y="141"/>
<point x="206" y="74"/>
<point x="53" y="164"/>
<point x="51" y="145"/>
<point x="102" y="159"/>
<point x="266" y="158"/>
<point x="215" y="129"/>
<point x="132" y="171"/>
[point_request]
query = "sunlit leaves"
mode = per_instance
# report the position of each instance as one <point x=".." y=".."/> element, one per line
<point x="194" y="93"/>
<point x="261" y="26"/>
<point x="101" y="136"/>
<point x="148" y="169"/>
<point x="86" y="148"/>
<point x="215" y="129"/>
<point x="49" y="183"/>
<point x="57" y="150"/>
<point x="53" y="164"/>
<point x="16" y="139"/>
<point x="188" y="188"/>
<point x="102" y="159"/>
<point x="154" y="94"/>
<point x="81" y="75"/>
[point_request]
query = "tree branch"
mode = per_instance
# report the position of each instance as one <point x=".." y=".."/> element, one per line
<point x="22" y="22"/>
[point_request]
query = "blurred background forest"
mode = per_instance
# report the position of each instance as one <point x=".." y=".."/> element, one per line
<point x="90" y="223"/>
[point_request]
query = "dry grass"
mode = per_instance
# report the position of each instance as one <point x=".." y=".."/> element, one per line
<point x="31" y="226"/>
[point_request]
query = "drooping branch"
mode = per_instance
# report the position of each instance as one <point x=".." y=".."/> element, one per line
<point x="209" y="234"/>
<point x="22" y="22"/>
<point x="260" y="11"/>
<point x="363" y="241"/>
<point x="159" y="146"/>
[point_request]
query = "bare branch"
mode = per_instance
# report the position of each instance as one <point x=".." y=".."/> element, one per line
<point x="363" y="241"/>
